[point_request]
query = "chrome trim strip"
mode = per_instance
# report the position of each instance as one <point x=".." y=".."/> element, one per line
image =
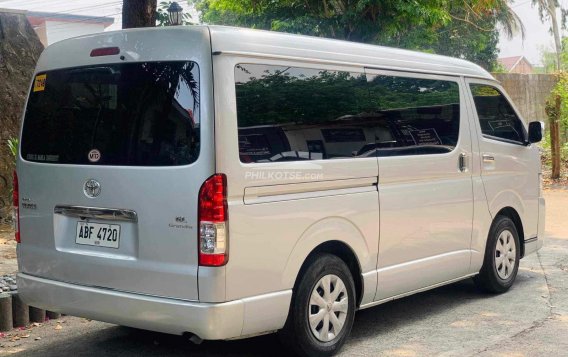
<point x="109" y="214"/>
<point x="290" y="191"/>
<point x="530" y="240"/>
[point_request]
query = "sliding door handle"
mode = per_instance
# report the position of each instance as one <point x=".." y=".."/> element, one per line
<point x="488" y="158"/>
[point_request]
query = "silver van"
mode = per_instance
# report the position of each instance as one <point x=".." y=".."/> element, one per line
<point x="225" y="183"/>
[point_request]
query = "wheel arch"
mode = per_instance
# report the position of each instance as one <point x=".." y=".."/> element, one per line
<point x="337" y="236"/>
<point x="343" y="252"/>
<point x="514" y="216"/>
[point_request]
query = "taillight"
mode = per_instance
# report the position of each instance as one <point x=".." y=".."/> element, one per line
<point x="16" y="208"/>
<point x="213" y="220"/>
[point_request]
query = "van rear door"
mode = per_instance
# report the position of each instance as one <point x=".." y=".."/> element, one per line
<point x="114" y="149"/>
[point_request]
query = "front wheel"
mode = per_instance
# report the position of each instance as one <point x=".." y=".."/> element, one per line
<point x="322" y="309"/>
<point x="502" y="256"/>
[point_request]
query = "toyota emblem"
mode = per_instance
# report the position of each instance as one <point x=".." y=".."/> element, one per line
<point x="92" y="188"/>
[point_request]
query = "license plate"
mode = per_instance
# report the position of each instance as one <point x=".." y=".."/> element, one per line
<point x="98" y="234"/>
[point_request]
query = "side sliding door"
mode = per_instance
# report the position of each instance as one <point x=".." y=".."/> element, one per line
<point x="425" y="188"/>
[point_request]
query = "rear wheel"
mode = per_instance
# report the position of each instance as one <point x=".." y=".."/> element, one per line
<point x="502" y="255"/>
<point x="322" y="309"/>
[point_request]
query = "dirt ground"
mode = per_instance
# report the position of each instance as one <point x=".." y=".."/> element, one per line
<point x="455" y="320"/>
<point x="557" y="212"/>
<point x="8" y="264"/>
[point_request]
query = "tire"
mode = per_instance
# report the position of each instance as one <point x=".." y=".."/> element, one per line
<point x="306" y="339"/>
<point x="500" y="269"/>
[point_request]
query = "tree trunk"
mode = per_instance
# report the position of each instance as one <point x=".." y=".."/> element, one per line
<point x="138" y="13"/>
<point x="554" y="121"/>
<point x="555" y="31"/>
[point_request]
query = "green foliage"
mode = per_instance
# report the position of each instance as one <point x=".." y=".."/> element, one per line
<point x="362" y="20"/>
<point x="546" y="147"/>
<point x="163" y="19"/>
<point x="13" y="145"/>
<point x="451" y="27"/>
<point x="561" y="90"/>
<point x="548" y="58"/>
<point x="498" y="68"/>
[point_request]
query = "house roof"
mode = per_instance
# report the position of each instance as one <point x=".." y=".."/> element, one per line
<point x="39" y="17"/>
<point x="511" y="62"/>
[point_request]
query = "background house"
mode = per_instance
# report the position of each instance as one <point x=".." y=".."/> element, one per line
<point x="516" y="64"/>
<point x="53" y="27"/>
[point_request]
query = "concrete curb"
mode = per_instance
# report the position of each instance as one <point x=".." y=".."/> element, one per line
<point x="6" y="321"/>
<point x="20" y="312"/>
<point x="16" y="313"/>
<point x="53" y="315"/>
<point x="37" y="315"/>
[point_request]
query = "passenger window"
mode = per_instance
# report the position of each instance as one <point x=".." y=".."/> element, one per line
<point x="415" y="116"/>
<point x="496" y="115"/>
<point x="293" y="114"/>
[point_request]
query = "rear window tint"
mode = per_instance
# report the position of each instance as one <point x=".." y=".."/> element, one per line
<point x="131" y="114"/>
<point x="293" y="114"/>
<point x="417" y="116"/>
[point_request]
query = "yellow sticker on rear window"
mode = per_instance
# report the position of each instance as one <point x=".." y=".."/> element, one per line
<point x="39" y="83"/>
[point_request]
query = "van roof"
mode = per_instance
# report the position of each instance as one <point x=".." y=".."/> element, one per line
<point x="270" y="44"/>
<point x="262" y="43"/>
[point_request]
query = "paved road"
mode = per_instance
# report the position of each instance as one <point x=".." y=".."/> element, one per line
<point x="456" y="320"/>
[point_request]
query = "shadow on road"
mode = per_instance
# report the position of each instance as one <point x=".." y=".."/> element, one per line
<point x="369" y="323"/>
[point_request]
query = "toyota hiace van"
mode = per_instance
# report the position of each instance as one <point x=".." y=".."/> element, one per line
<point x="224" y="183"/>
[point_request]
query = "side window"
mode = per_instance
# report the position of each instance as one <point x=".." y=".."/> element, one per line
<point x="496" y="115"/>
<point x="291" y="114"/>
<point x="415" y="116"/>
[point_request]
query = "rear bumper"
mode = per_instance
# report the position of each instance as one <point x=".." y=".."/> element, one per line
<point x="209" y="321"/>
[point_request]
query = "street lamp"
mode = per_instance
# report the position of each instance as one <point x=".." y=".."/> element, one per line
<point x="175" y="12"/>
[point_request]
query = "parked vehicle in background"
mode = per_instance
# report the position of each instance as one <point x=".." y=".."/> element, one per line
<point x="225" y="183"/>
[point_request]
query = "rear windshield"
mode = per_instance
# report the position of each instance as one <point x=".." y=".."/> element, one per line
<point x="133" y="114"/>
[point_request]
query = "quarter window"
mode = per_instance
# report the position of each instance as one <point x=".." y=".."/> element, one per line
<point x="292" y="114"/>
<point x="496" y="115"/>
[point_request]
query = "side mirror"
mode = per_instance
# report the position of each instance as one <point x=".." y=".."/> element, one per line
<point x="535" y="132"/>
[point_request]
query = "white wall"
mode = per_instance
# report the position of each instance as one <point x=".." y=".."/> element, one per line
<point x="57" y="30"/>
